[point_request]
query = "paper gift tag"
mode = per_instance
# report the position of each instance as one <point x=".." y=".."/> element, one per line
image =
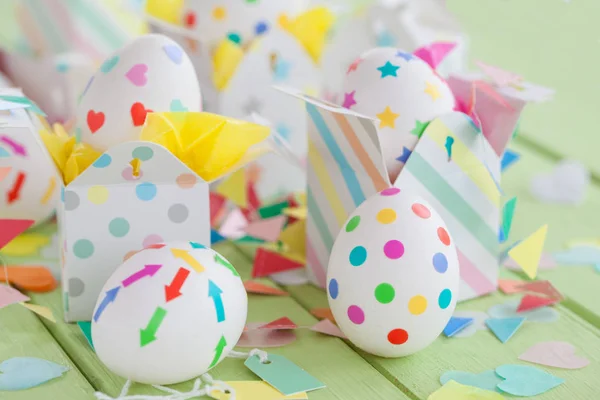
<point x="283" y="375"/>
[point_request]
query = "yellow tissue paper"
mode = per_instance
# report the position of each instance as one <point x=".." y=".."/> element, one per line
<point x="226" y="58"/>
<point x="453" y="390"/>
<point x="166" y="10"/>
<point x="311" y="29"/>
<point x="26" y="244"/>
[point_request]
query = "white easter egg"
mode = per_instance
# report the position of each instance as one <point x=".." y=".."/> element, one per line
<point x="152" y="73"/>
<point x="239" y="20"/>
<point x="169" y="313"/>
<point x="29" y="181"/>
<point x="393" y="275"/>
<point x="400" y="90"/>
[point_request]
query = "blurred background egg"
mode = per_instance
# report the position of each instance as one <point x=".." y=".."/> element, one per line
<point x="238" y="20"/>
<point x="169" y="313"/>
<point x="29" y="181"/>
<point x="393" y="275"/>
<point x="400" y="90"/>
<point x="152" y="73"/>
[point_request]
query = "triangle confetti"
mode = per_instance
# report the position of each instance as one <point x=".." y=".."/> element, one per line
<point x="10" y="296"/>
<point x="509" y="158"/>
<point x="507" y="217"/>
<point x="41" y="311"/>
<point x="544" y="288"/>
<point x="530" y="302"/>
<point x="234" y="188"/>
<point x="268" y="262"/>
<point x="86" y="329"/>
<point x="11" y="228"/>
<point x="234" y="225"/>
<point x="434" y="53"/>
<point x="529" y="252"/>
<point x="509" y="286"/>
<point x="281" y="323"/>
<point x="259" y="288"/>
<point x="267" y="229"/>
<point x="293" y="236"/>
<point x="296" y="212"/>
<point x="456" y="324"/>
<point x="327" y="327"/>
<point x="504" y="328"/>
<point x="323" y="313"/>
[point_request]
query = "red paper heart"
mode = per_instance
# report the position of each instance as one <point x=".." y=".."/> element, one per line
<point x="95" y="120"/>
<point x="138" y="114"/>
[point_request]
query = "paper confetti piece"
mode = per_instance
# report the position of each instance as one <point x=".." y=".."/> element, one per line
<point x="578" y="255"/>
<point x="40" y="310"/>
<point x="509" y="310"/>
<point x="323" y="313"/>
<point x="283" y="375"/>
<point x="499" y="76"/>
<point x="523" y="380"/>
<point x="217" y="207"/>
<point x="530" y="302"/>
<point x="26" y="244"/>
<point x="434" y="53"/>
<point x="266" y="229"/>
<point x="478" y="317"/>
<point x="255" y="390"/>
<point x="233" y="188"/>
<point x="554" y="354"/>
<point x="327" y="327"/>
<point x="487" y="380"/>
<point x="529" y="252"/>
<point x="280" y="323"/>
<point x="21" y="373"/>
<point x="86" y="329"/>
<point x="504" y="328"/>
<point x="296" y="212"/>
<point x="273" y="210"/>
<point x="509" y="158"/>
<point x="455" y="391"/>
<point x="544" y="288"/>
<point x="268" y="262"/>
<point x="259" y="288"/>
<point x="293" y="236"/>
<point x="30" y="278"/>
<point x="234" y="225"/>
<point x="547" y="262"/>
<point x="254" y="337"/>
<point x="11" y="228"/>
<point x="508" y="212"/>
<point x="10" y="296"/>
<point x="509" y="286"/>
<point x="456" y="325"/>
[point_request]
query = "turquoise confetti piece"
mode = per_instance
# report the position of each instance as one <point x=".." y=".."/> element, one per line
<point x="523" y="380"/>
<point x="86" y="329"/>
<point x="24" y="100"/>
<point x="507" y="216"/>
<point x="21" y="373"/>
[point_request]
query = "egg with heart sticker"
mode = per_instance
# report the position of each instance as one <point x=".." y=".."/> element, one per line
<point x="400" y="90"/>
<point x="150" y="74"/>
<point x="237" y="20"/>
<point x="393" y="275"/>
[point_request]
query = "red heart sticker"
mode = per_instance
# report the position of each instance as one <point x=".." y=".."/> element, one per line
<point x="138" y="114"/>
<point x="95" y="120"/>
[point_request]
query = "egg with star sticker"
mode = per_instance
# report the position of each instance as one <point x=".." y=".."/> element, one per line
<point x="169" y="313"/>
<point x="240" y="21"/>
<point x="150" y="74"/>
<point x="400" y="90"/>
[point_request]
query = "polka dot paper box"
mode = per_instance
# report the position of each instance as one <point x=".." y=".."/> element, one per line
<point x="240" y="49"/>
<point x="112" y="210"/>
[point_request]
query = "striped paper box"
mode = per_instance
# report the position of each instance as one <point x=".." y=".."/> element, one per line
<point x="345" y="167"/>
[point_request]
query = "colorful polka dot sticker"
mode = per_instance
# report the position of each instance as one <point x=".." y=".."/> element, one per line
<point x="390" y="192"/>
<point x="386" y="216"/>
<point x="417" y="305"/>
<point x="440" y="262"/>
<point x="398" y="336"/>
<point x="145" y="191"/>
<point x="421" y="211"/>
<point x="333" y="289"/>
<point x="358" y="256"/>
<point x="385" y="293"/>
<point x="353" y="223"/>
<point x="443" y="235"/>
<point x="83" y="248"/>
<point x="445" y="298"/>
<point x="393" y="249"/>
<point x="356" y="315"/>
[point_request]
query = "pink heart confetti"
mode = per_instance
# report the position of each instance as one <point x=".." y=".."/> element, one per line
<point x="554" y="354"/>
<point x="137" y="74"/>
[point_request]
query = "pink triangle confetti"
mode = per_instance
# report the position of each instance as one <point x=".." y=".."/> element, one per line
<point x="11" y="228"/>
<point x="328" y="328"/>
<point x="530" y="302"/>
<point x="10" y="296"/>
<point x="234" y="225"/>
<point x="266" y="229"/>
<point x="281" y="323"/>
<point x="433" y="54"/>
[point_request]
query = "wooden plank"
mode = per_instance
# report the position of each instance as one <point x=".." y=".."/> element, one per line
<point x="22" y="335"/>
<point x="319" y="355"/>
<point x="563" y="125"/>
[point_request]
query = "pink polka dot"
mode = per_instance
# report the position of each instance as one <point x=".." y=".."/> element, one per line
<point x="356" y="315"/>
<point x="151" y="239"/>
<point x="127" y="174"/>
<point x="393" y="249"/>
<point x="390" y="191"/>
<point x="421" y="210"/>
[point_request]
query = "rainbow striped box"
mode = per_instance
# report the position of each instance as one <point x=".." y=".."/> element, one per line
<point x="345" y="167"/>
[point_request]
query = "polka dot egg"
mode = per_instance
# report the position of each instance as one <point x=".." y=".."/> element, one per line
<point x="400" y="90"/>
<point x="239" y="20"/>
<point x="393" y="275"/>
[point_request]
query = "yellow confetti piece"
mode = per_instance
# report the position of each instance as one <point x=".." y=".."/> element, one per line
<point x="255" y="390"/>
<point x="297" y="212"/>
<point x="294" y="238"/>
<point x="40" y="310"/>
<point x="166" y="10"/>
<point x="26" y="244"/>
<point x="528" y="253"/>
<point x="311" y="29"/>
<point x="49" y="191"/>
<point x="453" y="390"/>
<point x="234" y="188"/>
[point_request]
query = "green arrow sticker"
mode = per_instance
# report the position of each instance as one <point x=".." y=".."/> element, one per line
<point x="148" y="335"/>
<point x="218" y="351"/>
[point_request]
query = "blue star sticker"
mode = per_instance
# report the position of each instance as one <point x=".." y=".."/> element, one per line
<point x="406" y="56"/>
<point x="388" y="69"/>
<point x="405" y="154"/>
<point x="282" y="69"/>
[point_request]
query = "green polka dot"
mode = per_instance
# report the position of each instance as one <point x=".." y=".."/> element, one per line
<point x="118" y="227"/>
<point x="353" y="223"/>
<point x="385" y="293"/>
<point x="143" y="153"/>
<point x="83" y="248"/>
<point x="235" y="37"/>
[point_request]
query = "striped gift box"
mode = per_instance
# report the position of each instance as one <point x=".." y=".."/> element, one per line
<point x="346" y="166"/>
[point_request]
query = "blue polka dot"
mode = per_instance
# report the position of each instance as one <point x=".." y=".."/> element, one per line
<point x="145" y="191"/>
<point x="333" y="289"/>
<point x="445" y="299"/>
<point x="103" y="162"/>
<point x="440" y="263"/>
<point x="358" y="255"/>
<point x="143" y="153"/>
<point x="261" y="28"/>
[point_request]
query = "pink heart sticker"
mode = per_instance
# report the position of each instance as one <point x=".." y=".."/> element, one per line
<point x="554" y="354"/>
<point x="137" y="74"/>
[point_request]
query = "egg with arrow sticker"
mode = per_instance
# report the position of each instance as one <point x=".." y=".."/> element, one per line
<point x="175" y="310"/>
